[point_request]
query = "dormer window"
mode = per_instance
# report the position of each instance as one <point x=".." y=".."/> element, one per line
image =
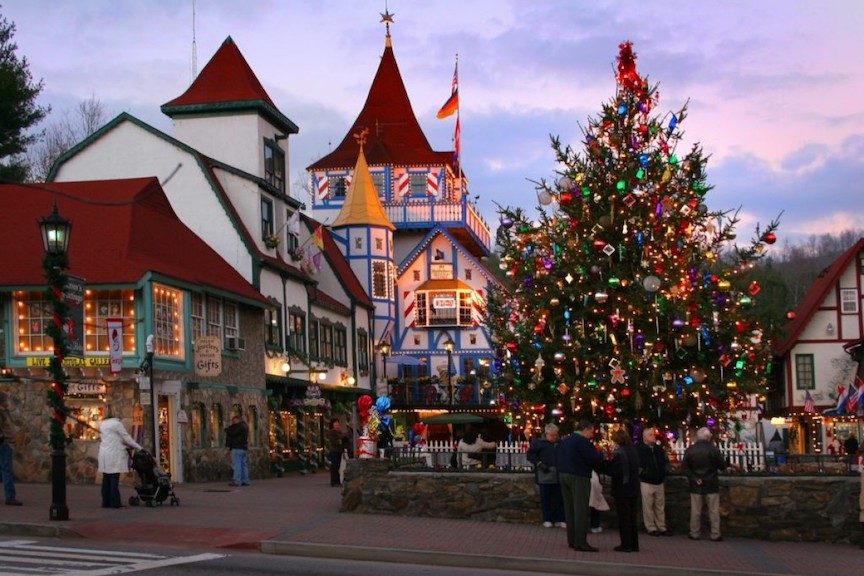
<point x="274" y="165"/>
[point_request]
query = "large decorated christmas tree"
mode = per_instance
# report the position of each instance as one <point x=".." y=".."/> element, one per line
<point x="629" y="299"/>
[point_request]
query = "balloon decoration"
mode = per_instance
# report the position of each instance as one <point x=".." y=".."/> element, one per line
<point x="376" y="425"/>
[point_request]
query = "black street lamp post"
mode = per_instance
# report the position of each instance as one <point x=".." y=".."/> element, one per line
<point x="55" y="240"/>
<point x="449" y="346"/>
<point x="384" y="348"/>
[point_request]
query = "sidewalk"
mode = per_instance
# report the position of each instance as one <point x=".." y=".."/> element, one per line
<point x="299" y="515"/>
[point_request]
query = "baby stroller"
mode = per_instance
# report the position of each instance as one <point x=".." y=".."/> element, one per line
<point x="155" y="484"/>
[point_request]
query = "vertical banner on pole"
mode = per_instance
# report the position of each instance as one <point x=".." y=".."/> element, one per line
<point x="114" y="328"/>
<point x="73" y="324"/>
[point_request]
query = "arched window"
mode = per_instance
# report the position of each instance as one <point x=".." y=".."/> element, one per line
<point x="217" y="426"/>
<point x="252" y="421"/>
<point x="200" y="438"/>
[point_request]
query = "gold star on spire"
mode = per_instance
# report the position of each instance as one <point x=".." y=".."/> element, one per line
<point x="387" y="18"/>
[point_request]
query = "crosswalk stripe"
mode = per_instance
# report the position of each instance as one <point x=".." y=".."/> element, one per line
<point x="20" y="555"/>
<point x="148" y="565"/>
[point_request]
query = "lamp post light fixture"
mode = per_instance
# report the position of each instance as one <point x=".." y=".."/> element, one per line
<point x="449" y="346"/>
<point x="55" y="240"/>
<point x="384" y="348"/>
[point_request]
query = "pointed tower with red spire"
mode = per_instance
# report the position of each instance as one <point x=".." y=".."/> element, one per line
<point x="401" y="214"/>
<point x="418" y="186"/>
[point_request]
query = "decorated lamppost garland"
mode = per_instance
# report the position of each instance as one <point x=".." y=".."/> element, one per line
<point x="54" y="265"/>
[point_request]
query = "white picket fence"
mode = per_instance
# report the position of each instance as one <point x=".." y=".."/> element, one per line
<point x="747" y="456"/>
<point x="510" y="455"/>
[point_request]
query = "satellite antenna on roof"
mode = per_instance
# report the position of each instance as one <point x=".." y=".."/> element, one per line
<point x="194" y="47"/>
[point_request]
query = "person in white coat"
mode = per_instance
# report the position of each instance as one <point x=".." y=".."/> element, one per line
<point x="113" y="458"/>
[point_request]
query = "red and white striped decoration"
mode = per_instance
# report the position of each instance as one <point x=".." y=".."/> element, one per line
<point x="477" y="308"/>
<point x="408" y="307"/>
<point x="322" y="186"/>
<point x="432" y="183"/>
<point x="403" y="183"/>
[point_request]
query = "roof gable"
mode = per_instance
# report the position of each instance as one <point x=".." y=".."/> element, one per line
<point x="208" y="168"/>
<point x="825" y="282"/>
<point x="121" y="231"/>
<point x="424" y="243"/>
<point x="395" y="136"/>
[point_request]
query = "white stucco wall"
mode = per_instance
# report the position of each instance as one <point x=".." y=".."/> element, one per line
<point x="129" y="151"/>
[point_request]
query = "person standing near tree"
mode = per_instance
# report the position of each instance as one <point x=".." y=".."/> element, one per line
<point x="702" y="464"/>
<point x="542" y="454"/>
<point x="237" y="441"/>
<point x="652" y="473"/>
<point x="577" y="457"/>
<point x="624" y="471"/>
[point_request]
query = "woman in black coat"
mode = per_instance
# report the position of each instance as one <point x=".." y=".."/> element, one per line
<point x="624" y="471"/>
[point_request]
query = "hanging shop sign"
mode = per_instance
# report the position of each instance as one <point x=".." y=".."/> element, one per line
<point x="208" y="356"/>
<point x="86" y="388"/>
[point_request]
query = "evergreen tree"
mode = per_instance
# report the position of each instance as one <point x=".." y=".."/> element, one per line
<point x="629" y="300"/>
<point x="18" y="109"/>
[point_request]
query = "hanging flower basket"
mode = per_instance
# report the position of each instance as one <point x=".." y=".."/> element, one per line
<point x="271" y="241"/>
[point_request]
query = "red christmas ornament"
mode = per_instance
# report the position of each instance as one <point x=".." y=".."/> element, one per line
<point x="566" y="198"/>
<point x="770" y="238"/>
<point x="791" y="315"/>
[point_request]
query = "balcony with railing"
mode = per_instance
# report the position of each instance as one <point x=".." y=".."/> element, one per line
<point x="458" y="217"/>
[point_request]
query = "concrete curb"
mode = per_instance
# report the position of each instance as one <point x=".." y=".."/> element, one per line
<point x="480" y="561"/>
<point x="37" y="530"/>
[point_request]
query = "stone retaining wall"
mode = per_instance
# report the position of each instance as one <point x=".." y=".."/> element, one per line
<point x="790" y="508"/>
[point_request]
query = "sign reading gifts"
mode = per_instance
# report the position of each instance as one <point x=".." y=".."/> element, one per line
<point x="208" y="356"/>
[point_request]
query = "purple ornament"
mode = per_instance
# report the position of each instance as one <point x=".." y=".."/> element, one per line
<point x="507" y="223"/>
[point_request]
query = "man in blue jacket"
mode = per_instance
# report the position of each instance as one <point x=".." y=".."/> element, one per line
<point x="577" y="457"/>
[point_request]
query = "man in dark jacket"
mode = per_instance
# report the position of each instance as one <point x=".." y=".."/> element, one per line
<point x="702" y="462"/>
<point x="577" y="457"/>
<point x="652" y="473"/>
<point x="237" y="440"/>
<point x="624" y="471"/>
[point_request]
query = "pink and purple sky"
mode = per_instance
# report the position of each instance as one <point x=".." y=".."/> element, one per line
<point x="775" y="87"/>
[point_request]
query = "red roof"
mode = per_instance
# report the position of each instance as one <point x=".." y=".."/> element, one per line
<point x="121" y="230"/>
<point x="227" y="77"/>
<point x="395" y="136"/>
<point x="825" y="282"/>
